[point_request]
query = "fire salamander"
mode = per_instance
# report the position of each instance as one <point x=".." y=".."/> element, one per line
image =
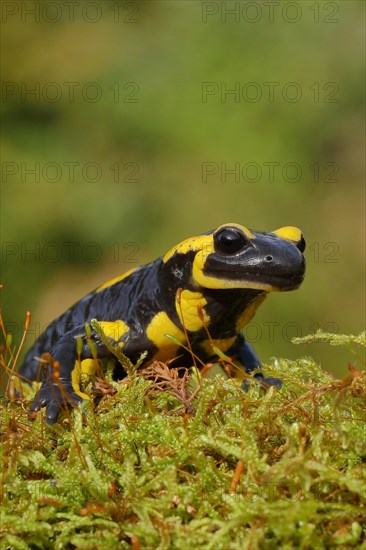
<point x="208" y="284"/>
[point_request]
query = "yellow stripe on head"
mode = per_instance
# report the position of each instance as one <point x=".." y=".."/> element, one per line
<point x="203" y="242"/>
<point x="190" y="245"/>
<point x="288" y="233"/>
<point x="242" y="228"/>
<point x="208" y="281"/>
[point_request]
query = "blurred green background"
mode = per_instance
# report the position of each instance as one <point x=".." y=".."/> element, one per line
<point x="131" y="132"/>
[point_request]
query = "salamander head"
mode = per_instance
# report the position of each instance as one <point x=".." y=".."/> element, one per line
<point x="233" y="256"/>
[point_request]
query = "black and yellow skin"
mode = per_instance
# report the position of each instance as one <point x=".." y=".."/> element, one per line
<point x="210" y="283"/>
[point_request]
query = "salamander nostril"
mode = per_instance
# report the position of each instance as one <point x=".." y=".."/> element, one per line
<point x="269" y="258"/>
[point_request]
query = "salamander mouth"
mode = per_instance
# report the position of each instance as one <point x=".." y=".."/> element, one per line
<point x="268" y="282"/>
<point x="267" y="268"/>
<point x="278" y="282"/>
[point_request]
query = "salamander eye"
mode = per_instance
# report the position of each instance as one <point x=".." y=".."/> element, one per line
<point x="229" y="240"/>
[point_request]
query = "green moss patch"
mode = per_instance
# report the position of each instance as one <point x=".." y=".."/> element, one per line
<point x="164" y="463"/>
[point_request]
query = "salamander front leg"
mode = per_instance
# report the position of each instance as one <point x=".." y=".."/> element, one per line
<point x="59" y="394"/>
<point x="248" y="358"/>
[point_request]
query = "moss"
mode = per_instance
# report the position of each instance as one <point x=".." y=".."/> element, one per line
<point x="161" y="463"/>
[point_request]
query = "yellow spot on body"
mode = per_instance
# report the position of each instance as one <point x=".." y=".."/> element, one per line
<point x="289" y="233"/>
<point x="249" y="312"/>
<point x="75" y="380"/>
<point x="114" y="329"/>
<point x="187" y="307"/>
<point x="222" y="343"/>
<point x="89" y="366"/>
<point x="116" y="279"/>
<point x="159" y="326"/>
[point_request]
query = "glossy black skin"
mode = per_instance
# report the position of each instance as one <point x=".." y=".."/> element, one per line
<point x="150" y="289"/>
